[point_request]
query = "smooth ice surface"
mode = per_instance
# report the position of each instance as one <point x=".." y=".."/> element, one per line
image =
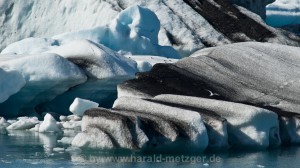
<point x="46" y="76"/>
<point x="49" y="124"/>
<point x="248" y="126"/>
<point x="10" y="83"/>
<point x="79" y="106"/>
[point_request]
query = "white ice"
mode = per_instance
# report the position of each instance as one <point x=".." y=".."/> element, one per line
<point x="44" y="76"/>
<point x="49" y="124"/>
<point x="283" y="12"/>
<point x="23" y="123"/>
<point x="79" y="106"/>
<point x="134" y="31"/>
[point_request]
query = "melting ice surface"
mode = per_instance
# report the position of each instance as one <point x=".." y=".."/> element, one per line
<point x="32" y="149"/>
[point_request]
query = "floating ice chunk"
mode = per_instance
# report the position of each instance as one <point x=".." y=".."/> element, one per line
<point x="11" y="82"/>
<point x="74" y="118"/>
<point x="63" y="118"/>
<point x="49" y="124"/>
<point x="58" y="150"/>
<point x="73" y="150"/>
<point x="94" y="138"/>
<point x="66" y="140"/>
<point x="79" y="106"/>
<point x="3" y="122"/>
<point x="23" y="124"/>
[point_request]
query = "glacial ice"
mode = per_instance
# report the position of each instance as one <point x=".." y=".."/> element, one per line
<point x="3" y="123"/>
<point x="290" y="129"/>
<point x="79" y="106"/>
<point x="146" y="62"/>
<point x="128" y="33"/>
<point x="95" y="139"/>
<point x="30" y="46"/>
<point x="46" y="76"/>
<point x="248" y="126"/>
<point x="11" y="82"/>
<point x="283" y="12"/>
<point x="191" y="125"/>
<point x="49" y="124"/>
<point x="123" y="130"/>
<point x="96" y="60"/>
<point x="23" y="123"/>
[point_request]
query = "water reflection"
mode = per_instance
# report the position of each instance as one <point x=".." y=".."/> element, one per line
<point x="36" y="149"/>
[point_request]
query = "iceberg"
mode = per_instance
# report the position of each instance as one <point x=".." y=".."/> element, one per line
<point x="23" y="123"/>
<point x="49" y="124"/>
<point x="134" y="31"/>
<point x="104" y="69"/>
<point x="94" y="139"/>
<point x="283" y="12"/>
<point x="45" y="76"/>
<point x="191" y="125"/>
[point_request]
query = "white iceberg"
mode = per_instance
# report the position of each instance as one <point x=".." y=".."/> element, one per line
<point x="46" y="76"/>
<point x="23" y="123"/>
<point x="49" y="124"/>
<point x="79" y="106"/>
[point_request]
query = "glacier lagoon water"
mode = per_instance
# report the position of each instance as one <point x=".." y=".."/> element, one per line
<point x="28" y="149"/>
